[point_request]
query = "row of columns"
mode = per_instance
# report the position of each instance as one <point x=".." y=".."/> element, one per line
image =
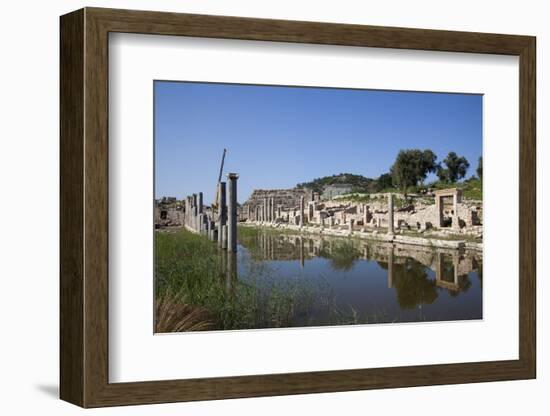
<point x="193" y="212"/>
<point x="224" y="230"/>
<point x="266" y="212"/>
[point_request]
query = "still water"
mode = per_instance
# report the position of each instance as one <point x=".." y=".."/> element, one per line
<point x="348" y="281"/>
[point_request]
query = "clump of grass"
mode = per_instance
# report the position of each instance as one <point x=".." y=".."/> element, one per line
<point x="171" y="316"/>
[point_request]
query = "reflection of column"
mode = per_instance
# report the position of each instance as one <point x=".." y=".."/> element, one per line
<point x="232" y="212"/>
<point x="439" y="267"/>
<point x="390" y="267"/>
<point x="455" y="268"/>
<point x="390" y="214"/>
<point x="302" y="252"/>
<point x="223" y="264"/>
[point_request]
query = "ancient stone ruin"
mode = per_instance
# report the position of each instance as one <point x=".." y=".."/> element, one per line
<point x="217" y="222"/>
<point x="442" y="213"/>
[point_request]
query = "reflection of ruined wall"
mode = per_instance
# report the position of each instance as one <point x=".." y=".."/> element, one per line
<point x="266" y="246"/>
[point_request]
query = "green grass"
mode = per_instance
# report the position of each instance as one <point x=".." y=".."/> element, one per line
<point x="193" y="284"/>
<point x="471" y="189"/>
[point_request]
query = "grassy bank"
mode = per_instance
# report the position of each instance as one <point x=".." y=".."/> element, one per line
<point x="195" y="291"/>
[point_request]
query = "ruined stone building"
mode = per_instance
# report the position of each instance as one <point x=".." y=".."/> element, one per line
<point x="168" y="212"/>
<point x="443" y="209"/>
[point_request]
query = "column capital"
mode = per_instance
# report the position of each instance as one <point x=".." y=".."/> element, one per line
<point x="232" y="176"/>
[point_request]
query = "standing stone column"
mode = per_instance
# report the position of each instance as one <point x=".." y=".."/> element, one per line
<point x="438" y="211"/>
<point x="232" y="213"/>
<point x="301" y="211"/>
<point x="201" y="207"/>
<point x="272" y="214"/>
<point x="186" y="205"/>
<point x="456" y="224"/>
<point x="224" y="237"/>
<point x="222" y="212"/>
<point x="200" y="222"/>
<point x="390" y="214"/>
<point x="194" y="220"/>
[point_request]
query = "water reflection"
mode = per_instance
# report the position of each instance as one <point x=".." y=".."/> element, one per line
<point x="395" y="283"/>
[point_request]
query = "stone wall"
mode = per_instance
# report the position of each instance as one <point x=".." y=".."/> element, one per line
<point x="286" y="198"/>
<point x="416" y="213"/>
<point x="168" y="214"/>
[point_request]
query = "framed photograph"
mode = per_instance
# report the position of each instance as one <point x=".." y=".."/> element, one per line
<point x="255" y="207"/>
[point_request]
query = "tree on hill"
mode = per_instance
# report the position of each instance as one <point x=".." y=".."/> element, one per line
<point x="479" y="169"/>
<point x="384" y="181"/>
<point x="411" y="167"/>
<point x="456" y="169"/>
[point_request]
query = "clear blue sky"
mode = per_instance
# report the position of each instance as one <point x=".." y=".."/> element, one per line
<point x="278" y="136"/>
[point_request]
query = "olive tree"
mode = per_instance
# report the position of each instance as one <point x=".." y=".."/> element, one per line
<point x="411" y="167"/>
<point x="456" y="168"/>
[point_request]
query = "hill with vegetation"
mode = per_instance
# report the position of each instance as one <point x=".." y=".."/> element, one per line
<point x="359" y="183"/>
